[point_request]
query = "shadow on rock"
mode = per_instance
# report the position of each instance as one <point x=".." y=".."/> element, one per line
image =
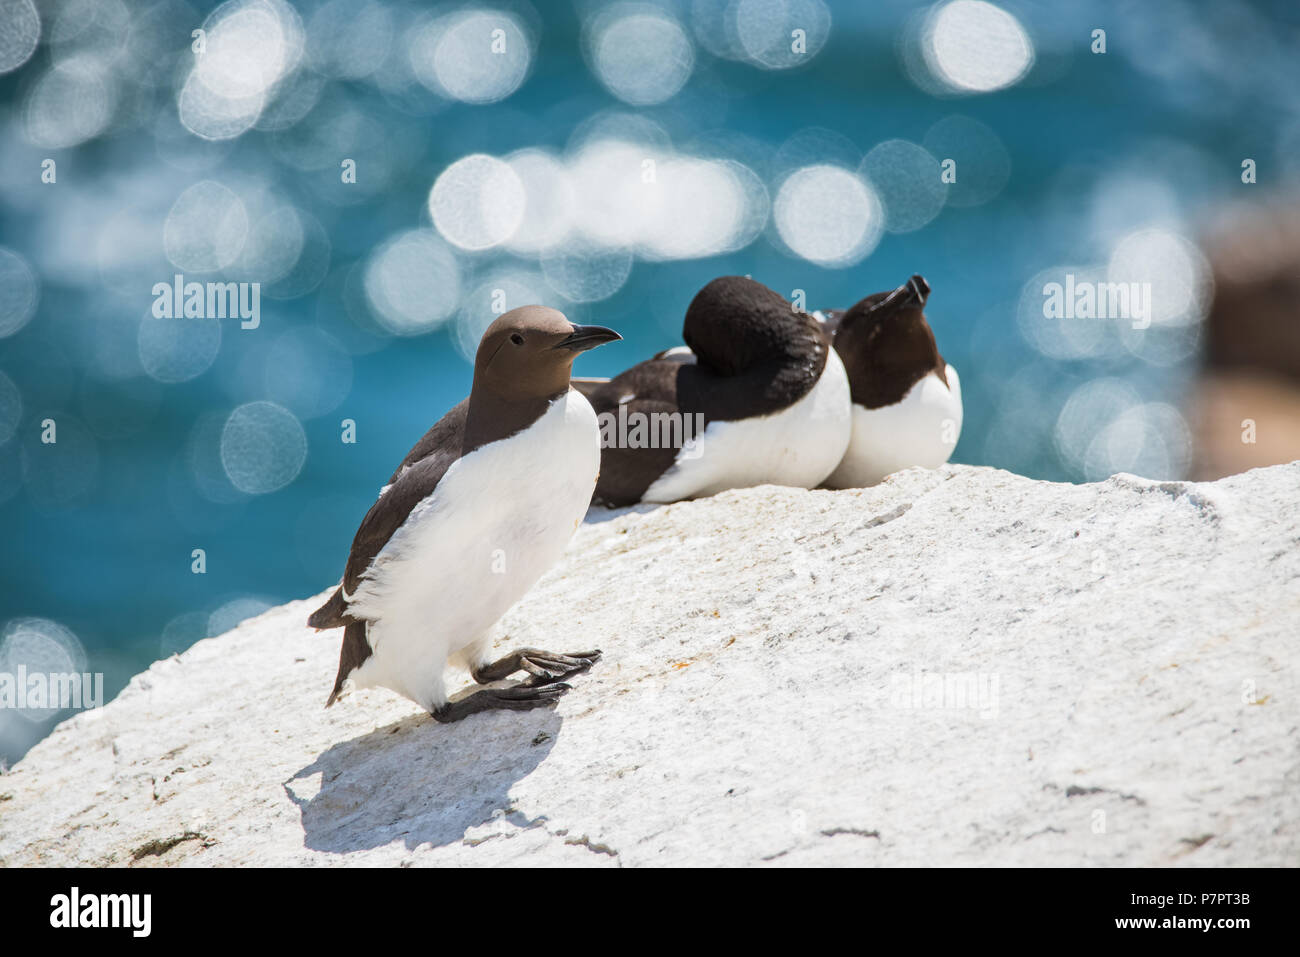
<point x="598" y="513"/>
<point x="417" y="780"/>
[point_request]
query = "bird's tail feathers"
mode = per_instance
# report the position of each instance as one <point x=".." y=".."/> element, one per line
<point x="332" y="614"/>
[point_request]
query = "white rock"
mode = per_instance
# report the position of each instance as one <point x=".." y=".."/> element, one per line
<point x="1140" y="637"/>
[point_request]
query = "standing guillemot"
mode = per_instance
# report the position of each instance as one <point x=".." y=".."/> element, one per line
<point x="478" y="510"/>
<point x="758" y="375"/>
<point x="906" y="399"/>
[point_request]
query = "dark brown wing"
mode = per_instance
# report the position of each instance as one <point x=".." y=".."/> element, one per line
<point x="353" y="653"/>
<point x="332" y="614"/>
<point x="647" y="388"/>
<point x="414" y="481"/>
<point x="681" y="384"/>
<point x="447" y="435"/>
<point x="587" y="386"/>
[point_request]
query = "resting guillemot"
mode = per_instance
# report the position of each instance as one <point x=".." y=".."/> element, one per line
<point x="907" y="407"/>
<point x="478" y="510"/>
<point x="761" y="378"/>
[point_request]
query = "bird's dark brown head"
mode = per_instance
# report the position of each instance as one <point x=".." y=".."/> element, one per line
<point x="528" y="353"/>
<point x="887" y="345"/>
<point x="735" y="323"/>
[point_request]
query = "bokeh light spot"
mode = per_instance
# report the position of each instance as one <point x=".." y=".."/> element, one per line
<point x="477" y="202"/>
<point x="909" y="183"/>
<point x="412" y="283"/>
<point x="766" y="30"/>
<point x="205" y="228"/>
<point x="214" y="116"/>
<point x="549" y="199"/>
<point x="40" y="647"/>
<point x="72" y="102"/>
<point x="475" y="56"/>
<point x="19" y="292"/>
<point x="828" y="215"/>
<point x="273" y="246"/>
<point x="20" y="30"/>
<point x="975" y="47"/>
<point x="642" y="56"/>
<point x="583" y="272"/>
<point x="263" y="447"/>
<point x="177" y="350"/>
<point x="1176" y="271"/>
<point x="246" y="50"/>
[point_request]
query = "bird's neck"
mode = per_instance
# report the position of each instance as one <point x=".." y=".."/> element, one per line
<point x="492" y="416"/>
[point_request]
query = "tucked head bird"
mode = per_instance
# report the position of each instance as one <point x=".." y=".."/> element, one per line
<point x="906" y="399"/>
<point x="758" y="396"/>
<point x="478" y="510"/>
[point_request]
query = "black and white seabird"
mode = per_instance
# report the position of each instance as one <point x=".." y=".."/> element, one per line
<point x="907" y="407"/>
<point x="757" y="374"/>
<point x="478" y="510"/>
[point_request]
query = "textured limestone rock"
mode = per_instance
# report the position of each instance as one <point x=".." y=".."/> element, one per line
<point x="960" y="666"/>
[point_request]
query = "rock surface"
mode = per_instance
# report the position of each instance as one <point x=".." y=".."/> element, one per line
<point x="955" y="667"/>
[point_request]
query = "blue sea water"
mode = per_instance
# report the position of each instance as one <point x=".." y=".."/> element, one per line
<point x="101" y="540"/>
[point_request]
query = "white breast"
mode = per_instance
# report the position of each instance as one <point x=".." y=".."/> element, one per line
<point x="500" y="517"/>
<point x="797" y="446"/>
<point x="919" y="430"/>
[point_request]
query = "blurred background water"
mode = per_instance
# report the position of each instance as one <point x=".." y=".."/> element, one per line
<point x="396" y="174"/>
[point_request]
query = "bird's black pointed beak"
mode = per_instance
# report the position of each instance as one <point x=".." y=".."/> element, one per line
<point x="910" y="295"/>
<point x="583" y="338"/>
<point x="918" y="290"/>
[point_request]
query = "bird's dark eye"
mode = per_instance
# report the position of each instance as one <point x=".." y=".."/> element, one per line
<point x="516" y="338"/>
